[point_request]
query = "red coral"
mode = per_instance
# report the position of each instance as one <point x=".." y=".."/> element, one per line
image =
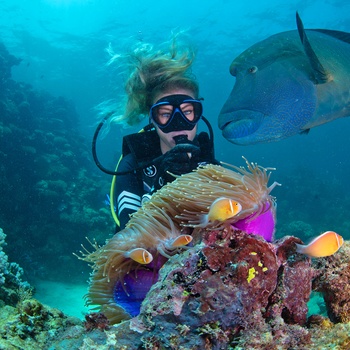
<point x="96" y="320"/>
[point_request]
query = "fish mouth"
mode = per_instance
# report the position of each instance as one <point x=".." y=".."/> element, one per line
<point x="240" y="126"/>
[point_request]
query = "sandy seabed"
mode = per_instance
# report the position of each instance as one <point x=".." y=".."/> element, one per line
<point x="66" y="297"/>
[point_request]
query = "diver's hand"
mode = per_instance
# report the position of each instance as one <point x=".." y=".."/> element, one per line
<point x="181" y="159"/>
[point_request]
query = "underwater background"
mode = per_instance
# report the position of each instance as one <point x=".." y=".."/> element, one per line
<point x="54" y="73"/>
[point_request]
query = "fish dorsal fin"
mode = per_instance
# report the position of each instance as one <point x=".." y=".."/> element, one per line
<point x="320" y="73"/>
<point x="343" y="36"/>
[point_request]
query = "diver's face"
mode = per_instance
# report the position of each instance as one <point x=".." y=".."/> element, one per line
<point x="167" y="141"/>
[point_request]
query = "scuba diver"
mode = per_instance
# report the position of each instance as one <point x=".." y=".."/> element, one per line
<point x="162" y="88"/>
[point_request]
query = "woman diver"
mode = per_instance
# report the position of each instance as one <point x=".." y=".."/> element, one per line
<point x="161" y="87"/>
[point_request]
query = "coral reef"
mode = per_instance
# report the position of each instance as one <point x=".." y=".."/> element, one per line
<point x="32" y="325"/>
<point x="333" y="282"/>
<point x="24" y="322"/>
<point x="230" y="291"/>
<point x="227" y="291"/>
<point x="49" y="183"/>
<point x="327" y="335"/>
<point x="11" y="284"/>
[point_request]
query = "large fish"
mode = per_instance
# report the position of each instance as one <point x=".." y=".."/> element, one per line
<point x="287" y="84"/>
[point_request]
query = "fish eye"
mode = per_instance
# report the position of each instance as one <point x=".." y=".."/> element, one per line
<point x="253" y="69"/>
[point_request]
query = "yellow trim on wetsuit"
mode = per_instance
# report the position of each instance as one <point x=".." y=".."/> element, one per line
<point x="111" y="195"/>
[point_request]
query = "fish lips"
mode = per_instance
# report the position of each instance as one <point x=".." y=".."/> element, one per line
<point x="240" y="126"/>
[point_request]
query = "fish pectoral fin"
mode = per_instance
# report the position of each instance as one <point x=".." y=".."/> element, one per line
<point x="305" y="132"/>
<point x="320" y="74"/>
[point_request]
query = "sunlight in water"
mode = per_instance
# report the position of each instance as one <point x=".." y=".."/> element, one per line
<point x="68" y="2"/>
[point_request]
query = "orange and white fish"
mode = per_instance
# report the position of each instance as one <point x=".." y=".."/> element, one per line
<point x="221" y="209"/>
<point x="179" y="242"/>
<point x="140" y="255"/>
<point x="325" y="244"/>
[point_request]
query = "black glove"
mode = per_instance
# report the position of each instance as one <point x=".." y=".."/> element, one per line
<point x="184" y="157"/>
<point x="181" y="159"/>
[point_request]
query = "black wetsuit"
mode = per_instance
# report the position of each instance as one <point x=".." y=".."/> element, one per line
<point x="132" y="189"/>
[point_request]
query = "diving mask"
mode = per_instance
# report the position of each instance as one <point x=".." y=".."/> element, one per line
<point x="176" y="113"/>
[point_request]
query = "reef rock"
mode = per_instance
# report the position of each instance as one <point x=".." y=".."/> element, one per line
<point x="333" y="281"/>
<point x="25" y="323"/>
<point x="231" y="289"/>
<point x="32" y="326"/>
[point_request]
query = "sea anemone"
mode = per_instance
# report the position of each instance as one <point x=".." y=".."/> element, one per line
<point x="125" y="268"/>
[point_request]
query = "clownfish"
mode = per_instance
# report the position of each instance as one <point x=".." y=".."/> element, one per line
<point x="325" y="244"/>
<point x="221" y="210"/>
<point x="140" y="255"/>
<point x="179" y="241"/>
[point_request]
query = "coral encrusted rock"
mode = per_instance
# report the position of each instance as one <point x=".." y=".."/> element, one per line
<point x="231" y="289"/>
<point x="333" y="282"/>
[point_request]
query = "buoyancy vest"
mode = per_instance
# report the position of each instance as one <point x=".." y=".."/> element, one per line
<point x="145" y="148"/>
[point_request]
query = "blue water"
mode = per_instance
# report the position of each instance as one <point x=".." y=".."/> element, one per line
<point x="62" y="46"/>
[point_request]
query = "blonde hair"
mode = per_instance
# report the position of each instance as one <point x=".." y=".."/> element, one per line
<point x="151" y="72"/>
